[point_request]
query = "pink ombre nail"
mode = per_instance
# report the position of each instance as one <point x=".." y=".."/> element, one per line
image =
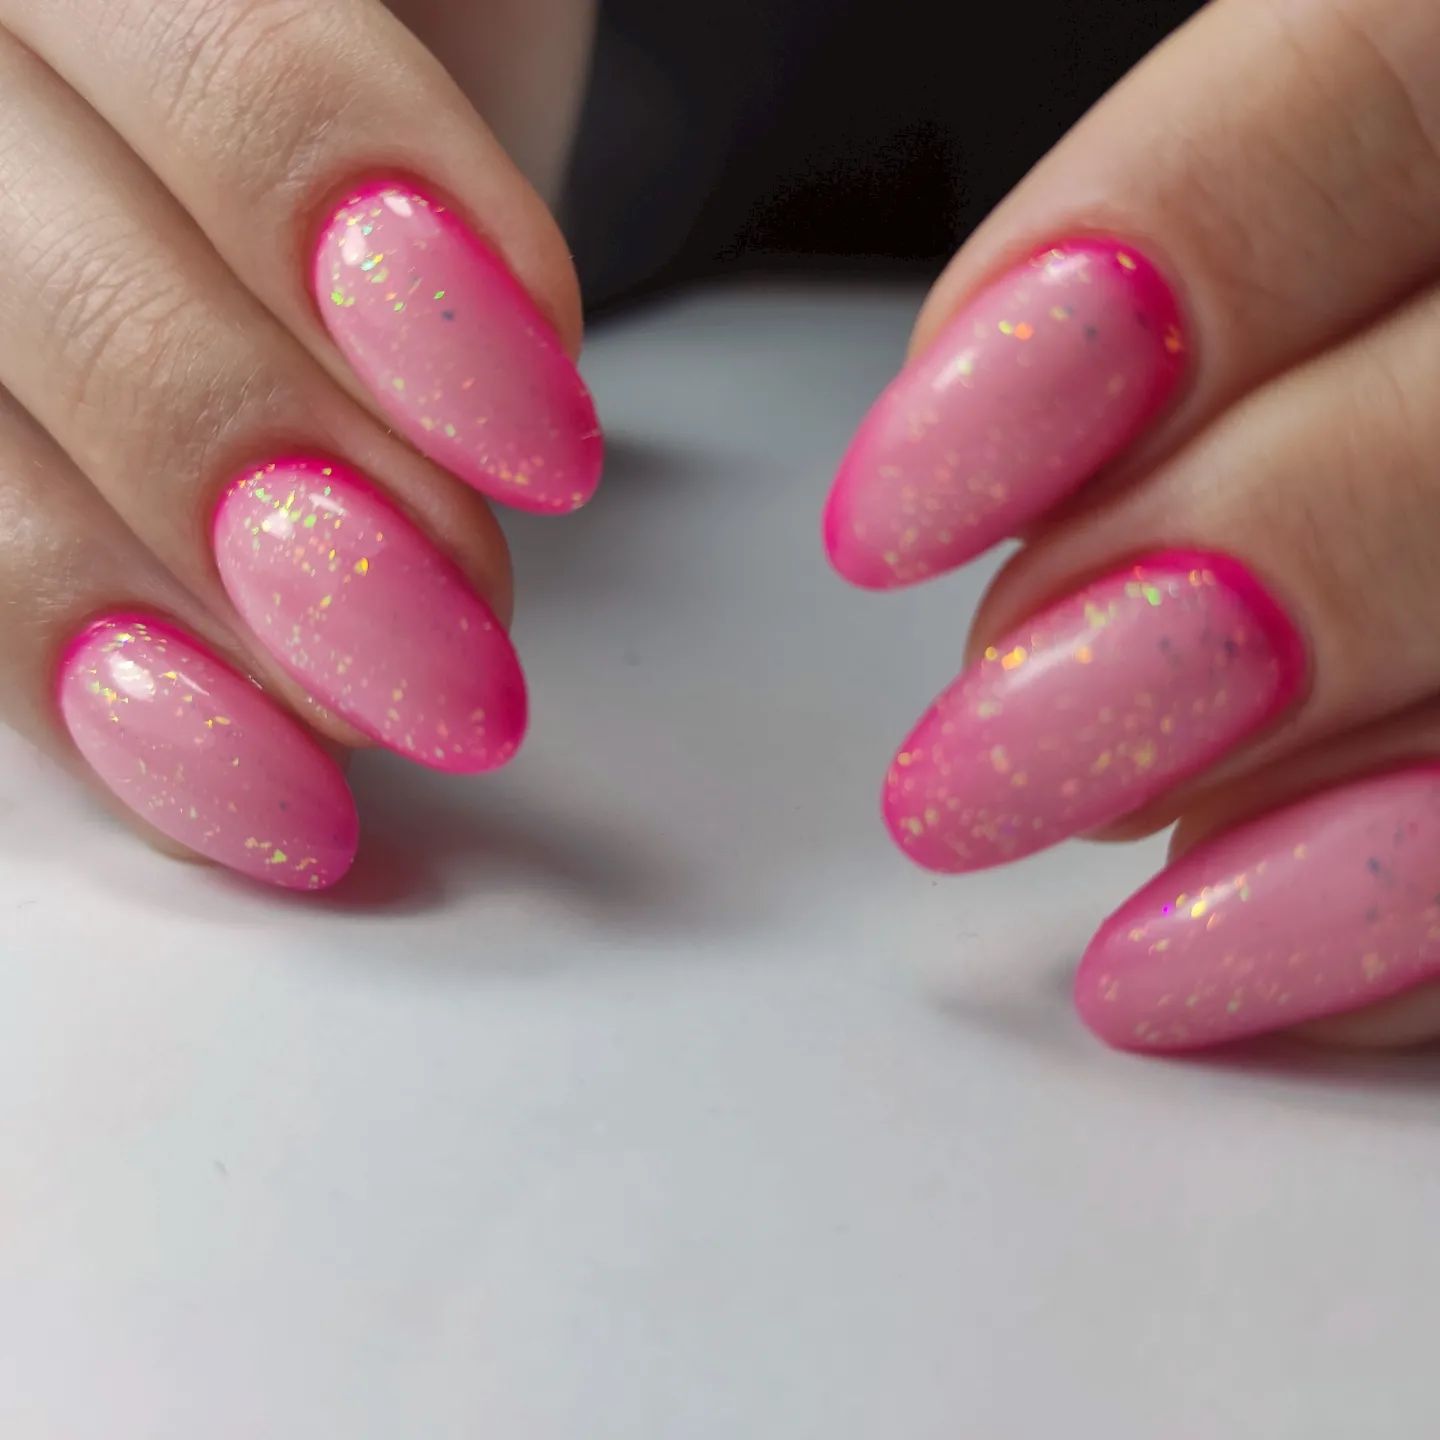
<point x="455" y="351"/>
<point x="1046" y="375"/>
<point x="1093" y="708"/>
<point x="1324" y="907"/>
<point x="369" y="616"/>
<point x="204" y="756"/>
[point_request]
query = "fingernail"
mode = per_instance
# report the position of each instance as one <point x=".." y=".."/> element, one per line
<point x="455" y="351"/>
<point x="1046" y="375"/>
<point x="1326" y="906"/>
<point x="204" y="756"/>
<point x="1092" y="709"/>
<point x="369" y="616"/>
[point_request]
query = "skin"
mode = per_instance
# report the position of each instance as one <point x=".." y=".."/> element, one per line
<point x="1301" y="240"/>
<point x="163" y="201"/>
<point x="136" y="401"/>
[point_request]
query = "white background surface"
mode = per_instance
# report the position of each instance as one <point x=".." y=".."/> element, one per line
<point x="644" y="1093"/>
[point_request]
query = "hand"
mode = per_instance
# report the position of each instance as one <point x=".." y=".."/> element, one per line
<point x="246" y="240"/>
<point x="1215" y="307"/>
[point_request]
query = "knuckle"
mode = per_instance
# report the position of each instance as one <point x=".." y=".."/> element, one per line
<point x="124" y="336"/>
<point x="1360" y="514"/>
<point x="1375" y="64"/>
<point x="1326" y="151"/>
<point x="1399" y="42"/>
<point x="251" y="84"/>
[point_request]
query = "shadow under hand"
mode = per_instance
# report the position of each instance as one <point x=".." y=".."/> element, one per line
<point x="1038" y="1013"/>
<point x="595" y="552"/>
<point x="635" y="461"/>
<point x="433" y="839"/>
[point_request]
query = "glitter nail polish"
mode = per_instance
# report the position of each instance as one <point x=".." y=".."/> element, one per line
<point x="454" y="351"/>
<point x="1323" y="907"/>
<point x="204" y="755"/>
<point x="369" y="616"/>
<point x="1043" y="378"/>
<point x="1092" y="709"/>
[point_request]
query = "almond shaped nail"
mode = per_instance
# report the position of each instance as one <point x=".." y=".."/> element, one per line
<point x="1091" y="710"/>
<point x="366" y="613"/>
<point x="1044" y="377"/>
<point x="454" y="350"/>
<point x="1326" y="906"/>
<point x="204" y="756"/>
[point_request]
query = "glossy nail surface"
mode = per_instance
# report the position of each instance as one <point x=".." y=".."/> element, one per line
<point x="455" y="351"/>
<point x="369" y="616"/>
<point x="1090" y="710"/>
<point x="1326" y="906"/>
<point x="1045" y="376"/>
<point x="204" y="756"/>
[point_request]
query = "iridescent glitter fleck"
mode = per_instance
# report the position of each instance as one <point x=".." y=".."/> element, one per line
<point x="1092" y="709"/>
<point x="1324" y="907"/>
<point x="1040" y="380"/>
<point x="204" y="755"/>
<point x="455" y="351"/>
<point x="369" y="616"/>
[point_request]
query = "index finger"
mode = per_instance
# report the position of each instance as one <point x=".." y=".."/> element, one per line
<point x="1167" y="233"/>
<point x="349" y="183"/>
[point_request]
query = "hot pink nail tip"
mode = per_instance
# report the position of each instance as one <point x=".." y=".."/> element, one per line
<point x="204" y="756"/>
<point x="455" y="351"/>
<point x="1091" y="710"/>
<point x="369" y="616"/>
<point x="1324" y="907"/>
<point x="1044" y="377"/>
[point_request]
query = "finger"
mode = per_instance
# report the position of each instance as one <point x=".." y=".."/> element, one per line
<point x="1406" y="1021"/>
<point x="1109" y="696"/>
<point x="107" y="661"/>
<point x="1413" y="1016"/>
<point x="1276" y="223"/>
<point x="165" y="379"/>
<point x="1318" y="492"/>
<point x="1327" y="907"/>
<point x="274" y="121"/>
<point x="525" y="63"/>
<point x="1321" y="484"/>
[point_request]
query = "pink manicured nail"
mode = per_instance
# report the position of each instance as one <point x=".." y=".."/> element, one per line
<point x="1043" y="378"/>
<point x="455" y="351"/>
<point x="1326" y="906"/>
<point x="204" y="755"/>
<point x="369" y="616"/>
<point x="1092" y="709"/>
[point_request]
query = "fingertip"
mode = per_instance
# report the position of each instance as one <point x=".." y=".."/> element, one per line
<point x="1098" y="997"/>
<point x="844" y="536"/>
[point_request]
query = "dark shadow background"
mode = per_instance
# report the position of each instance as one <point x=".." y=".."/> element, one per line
<point x="720" y="133"/>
